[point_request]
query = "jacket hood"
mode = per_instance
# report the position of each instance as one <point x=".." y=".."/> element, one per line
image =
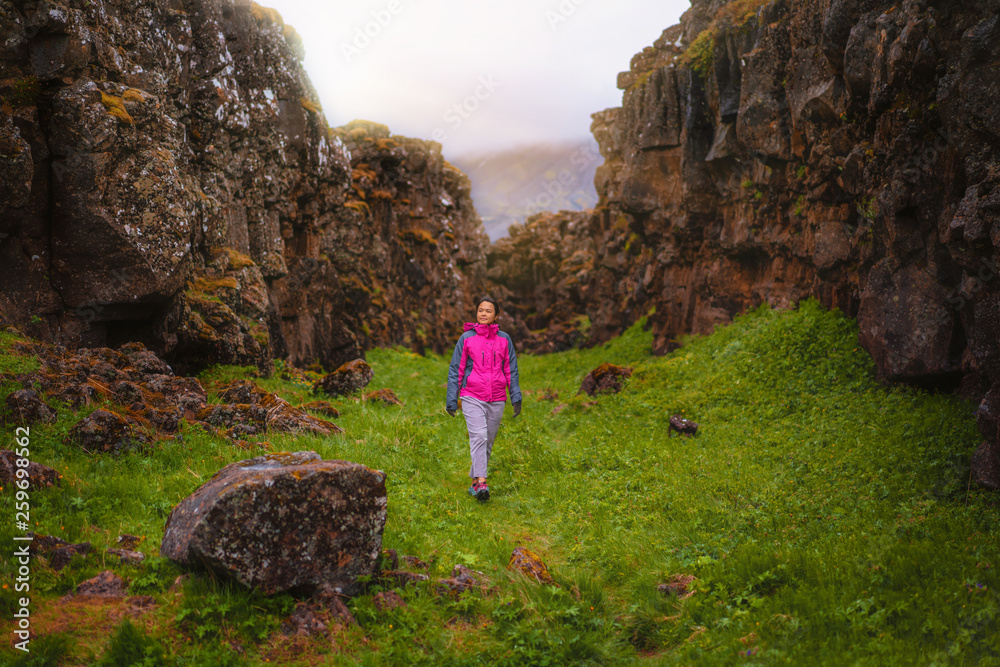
<point x="488" y="330"/>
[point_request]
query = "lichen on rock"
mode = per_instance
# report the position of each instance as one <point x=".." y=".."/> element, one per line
<point x="283" y="521"/>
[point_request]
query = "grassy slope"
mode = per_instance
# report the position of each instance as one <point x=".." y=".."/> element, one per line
<point x="828" y="519"/>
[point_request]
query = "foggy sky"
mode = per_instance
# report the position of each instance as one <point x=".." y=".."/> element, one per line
<point x="474" y="74"/>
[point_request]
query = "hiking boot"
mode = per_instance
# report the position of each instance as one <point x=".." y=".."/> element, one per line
<point x="474" y="490"/>
<point x="483" y="492"/>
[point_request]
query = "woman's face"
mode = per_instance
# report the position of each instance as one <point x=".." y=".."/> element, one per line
<point x="486" y="314"/>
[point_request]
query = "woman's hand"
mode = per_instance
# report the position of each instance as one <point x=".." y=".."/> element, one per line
<point x="451" y="413"/>
<point x="517" y="408"/>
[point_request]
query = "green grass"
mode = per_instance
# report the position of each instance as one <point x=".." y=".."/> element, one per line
<point x="827" y="519"/>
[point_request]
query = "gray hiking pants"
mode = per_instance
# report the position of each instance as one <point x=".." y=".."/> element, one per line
<point x="482" y="418"/>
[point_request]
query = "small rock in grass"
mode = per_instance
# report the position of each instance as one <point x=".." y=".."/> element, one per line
<point x="281" y="416"/>
<point x="606" y="378"/>
<point x="306" y="620"/>
<point x="127" y="556"/>
<point x="58" y="551"/>
<point x="126" y="541"/>
<point x="347" y="379"/>
<point x="27" y="408"/>
<point x="61" y="556"/>
<point x="388" y="600"/>
<point x="679" y="585"/>
<point x="107" y="584"/>
<point x="413" y="562"/>
<point x="463" y="579"/>
<point x="383" y="396"/>
<point x="526" y="562"/>
<point x="335" y="608"/>
<point x="39" y="476"/>
<point x="682" y="426"/>
<point x="104" y="432"/>
<point x="141" y="601"/>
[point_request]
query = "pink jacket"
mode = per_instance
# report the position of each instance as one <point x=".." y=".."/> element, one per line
<point x="483" y="366"/>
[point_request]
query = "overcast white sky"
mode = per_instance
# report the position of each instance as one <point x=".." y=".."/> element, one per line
<point x="474" y="74"/>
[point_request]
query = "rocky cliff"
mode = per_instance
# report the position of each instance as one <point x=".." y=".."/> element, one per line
<point x="847" y="150"/>
<point x="168" y="176"/>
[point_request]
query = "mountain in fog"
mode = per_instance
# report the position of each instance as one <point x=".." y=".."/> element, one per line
<point x="510" y="185"/>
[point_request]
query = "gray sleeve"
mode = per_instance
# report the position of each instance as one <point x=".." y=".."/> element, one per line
<point x="451" y="400"/>
<point x="515" y="383"/>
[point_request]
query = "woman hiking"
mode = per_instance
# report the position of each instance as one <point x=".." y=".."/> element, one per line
<point x="483" y="365"/>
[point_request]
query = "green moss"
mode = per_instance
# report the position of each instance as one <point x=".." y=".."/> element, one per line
<point x="260" y="334"/>
<point x="737" y="15"/>
<point x="309" y="105"/>
<point x="26" y="90"/>
<point x="868" y="208"/>
<point x="238" y="260"/>
<point x="800" y="205"/>
<point x="209" y="288"/>
<point x="133" y="95"/>
<point x="416" y="235"/>
<point x="633" y="242"/>
<point x="116" y="107"/>
<point x="641" y="79"/>
<point x="12" y="360"/>
<point x="700" y="55"/>
<point x="358" y="206"/>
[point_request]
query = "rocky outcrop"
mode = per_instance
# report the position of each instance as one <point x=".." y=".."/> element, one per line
<point x="399" y="263"/>
<point x="540" y="273"/>
<point x="142" y="400"/>
<point x="847" y="150"/>
<point x="167" y="176"/>
<point x="283" y="521"/>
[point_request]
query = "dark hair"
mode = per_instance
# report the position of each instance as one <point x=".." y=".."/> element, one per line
<point x="489" y="299"/>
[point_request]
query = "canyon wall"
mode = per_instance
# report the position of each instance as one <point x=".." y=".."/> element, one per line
<point x="168" y="176"/>
<point x="770" y="151"/>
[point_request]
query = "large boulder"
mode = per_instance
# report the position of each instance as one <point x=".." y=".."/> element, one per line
<point x="283" y="521"/>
